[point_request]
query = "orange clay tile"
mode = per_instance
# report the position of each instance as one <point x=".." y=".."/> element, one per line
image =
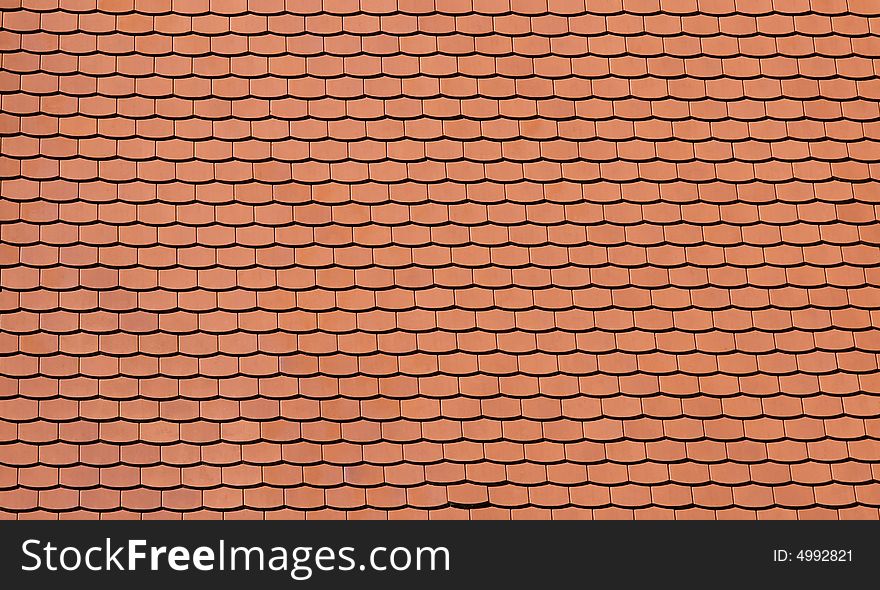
<point x="366" y="260"/>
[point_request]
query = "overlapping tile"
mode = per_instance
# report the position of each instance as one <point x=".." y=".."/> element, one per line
<point x="523" y="259"/>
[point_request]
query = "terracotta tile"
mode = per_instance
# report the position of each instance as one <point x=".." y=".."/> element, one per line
<point x="59" y="499"/>
<point x="649" y="288"/>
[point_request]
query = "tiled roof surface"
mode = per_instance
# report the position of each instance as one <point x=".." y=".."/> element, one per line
<point x="440" y="258"/>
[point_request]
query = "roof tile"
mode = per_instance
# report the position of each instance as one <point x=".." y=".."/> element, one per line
<point x="528" y="260"/>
